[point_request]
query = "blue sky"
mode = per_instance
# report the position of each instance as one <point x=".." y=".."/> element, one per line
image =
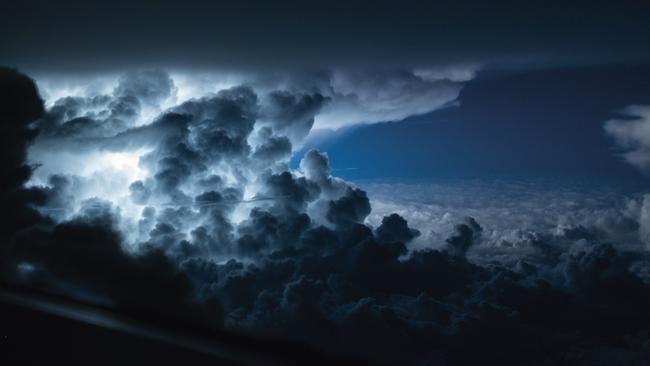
<point x="546" y="123"/>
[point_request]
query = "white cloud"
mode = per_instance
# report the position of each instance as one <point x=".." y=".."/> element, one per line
<point x="632" y="134"/>
<point x="512" y="211"/>
<point x="383" y="96"/>
<point x="354" y="96"/>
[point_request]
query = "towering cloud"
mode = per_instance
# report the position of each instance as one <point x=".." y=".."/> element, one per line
<point x="36" y="251"/>
<point x="195" y="217"/>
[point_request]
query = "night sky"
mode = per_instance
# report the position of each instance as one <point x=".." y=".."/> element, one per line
<point x="417" y="183"/>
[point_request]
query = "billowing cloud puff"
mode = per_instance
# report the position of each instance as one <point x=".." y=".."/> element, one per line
<point x="327" y="99"/>
<point x="632" y="134"/>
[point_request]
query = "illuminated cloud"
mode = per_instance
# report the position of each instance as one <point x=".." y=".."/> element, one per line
<point x="372" y="97"/>
<point x="349" y="96"/>
<point x="195" y="217"/>
<point x="632" y="134"/>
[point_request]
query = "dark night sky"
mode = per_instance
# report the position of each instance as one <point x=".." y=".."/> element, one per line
<point x="80" y="35"/>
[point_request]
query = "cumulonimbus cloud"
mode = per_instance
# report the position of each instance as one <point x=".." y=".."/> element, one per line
<point x="195" y="217"/>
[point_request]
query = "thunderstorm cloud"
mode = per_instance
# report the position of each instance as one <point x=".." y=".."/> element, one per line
<point x="184" y="207"/>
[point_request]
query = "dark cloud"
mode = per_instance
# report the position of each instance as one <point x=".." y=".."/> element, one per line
<point x="292" y="194"/>
<point x="352" y="208"/>
<point x="263" y="231"/>
<point x="394" y="228"/>
<point x="84" y="257"/>
<point x="151" y="87"/>
<point x="292" y="114"/>
<point x="466" y="235"/>
<point x="171" y="173"/>
<point x="139" y="192"/>
<point x="231" y="112"/>
<point x="20" y="105"/>
<point x="274" y="149"/>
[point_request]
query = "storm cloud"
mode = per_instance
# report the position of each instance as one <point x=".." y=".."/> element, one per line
<point x="194" y="216"/>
